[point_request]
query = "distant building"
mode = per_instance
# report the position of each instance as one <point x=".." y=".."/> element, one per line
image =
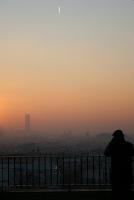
<point x="27" y="122"/>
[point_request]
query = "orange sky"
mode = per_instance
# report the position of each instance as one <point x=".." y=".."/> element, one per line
<point x="67" y="71"/>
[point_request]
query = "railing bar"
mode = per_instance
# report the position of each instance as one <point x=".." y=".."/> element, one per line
<point x="45" y="171"/>
<point x="106" y="170"/>
<point x="33" y="183"/>
<point x="69" y="167"/>
<point x="87" y="170"/>
<point x="2" y="168"/>
<point x="57" y="168"/>
<point x="93" y="171"/>
<point x="63" y="179"/>
<point x="39" y="170"/>
<point x="27" y="171"/>
<point x="51" y="179"/>
<point x="75" y="170"/>
<point x="99" y="170"/>
<point x="8" y="172"/>
<point x="14" y="172"/>
<point x="20" y="172"/>
<point x="81" y="172"/>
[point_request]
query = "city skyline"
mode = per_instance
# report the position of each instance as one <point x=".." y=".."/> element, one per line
<point x="69" y="70"/>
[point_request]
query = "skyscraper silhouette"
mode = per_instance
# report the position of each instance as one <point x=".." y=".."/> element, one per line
<point x="27" y="122"/>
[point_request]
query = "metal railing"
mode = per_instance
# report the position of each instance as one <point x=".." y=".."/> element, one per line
<point x="52" y="172"/>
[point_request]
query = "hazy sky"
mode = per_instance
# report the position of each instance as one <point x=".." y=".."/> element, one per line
<point x="73" y="70"/>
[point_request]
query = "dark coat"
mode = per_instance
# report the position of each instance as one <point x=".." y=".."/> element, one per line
<point x="121" y="153"/>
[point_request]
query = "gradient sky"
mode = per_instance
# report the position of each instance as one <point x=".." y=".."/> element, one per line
<point x="70" y="71"/>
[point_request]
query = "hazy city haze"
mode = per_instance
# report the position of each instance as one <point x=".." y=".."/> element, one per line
<point x="69" y="71"/>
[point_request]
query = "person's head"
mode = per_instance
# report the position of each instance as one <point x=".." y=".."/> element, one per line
<point x="118" y="134"/>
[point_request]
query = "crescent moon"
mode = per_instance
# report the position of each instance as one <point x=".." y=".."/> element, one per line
<point x="59" y="9"/>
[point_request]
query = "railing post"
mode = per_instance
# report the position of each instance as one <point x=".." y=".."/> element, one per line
<point x="81" y="170"/>
<point x="99" y="170"/>
<point x="75" y="170"/>
<point x="45" y="182"/>
<point x="33" y="182"/>
<point x="14" y="172"/>
<point x="8" y="166"/>
<point x="87" y="169"/>
<point x="105" y="170"/>
<point x="93" y="171"/>
<point x="63" y="178"/>
<point x="2" y="169"/>
<point x="39" y="170"/>
<point x="57" y="170"/>
<point x="20" y="172"/>
<point x="69" y="167"/>
<point x="27" y="171"/>
<point x="51" y="168"/>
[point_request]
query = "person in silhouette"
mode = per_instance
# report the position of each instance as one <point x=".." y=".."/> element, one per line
<point x="121" y="153"/>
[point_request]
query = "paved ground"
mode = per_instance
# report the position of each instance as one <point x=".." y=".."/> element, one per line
<point x="57" y="196"/>
<point x="99" y="195"/>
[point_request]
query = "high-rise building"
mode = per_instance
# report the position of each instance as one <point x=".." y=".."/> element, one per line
<point x="27" y="122"/>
